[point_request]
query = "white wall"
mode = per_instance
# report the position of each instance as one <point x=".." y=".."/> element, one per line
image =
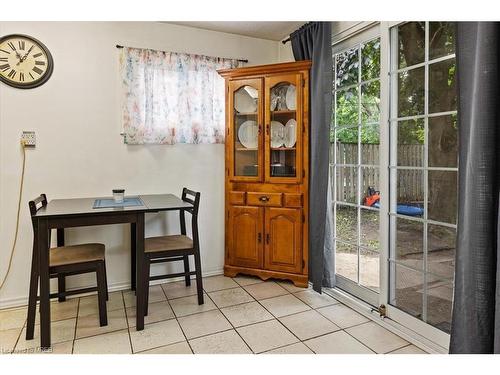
<point x="285" y="53"/>
<point x="79" y="150"/>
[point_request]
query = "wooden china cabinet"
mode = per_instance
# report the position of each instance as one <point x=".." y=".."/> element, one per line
<point x="267" y="171"/>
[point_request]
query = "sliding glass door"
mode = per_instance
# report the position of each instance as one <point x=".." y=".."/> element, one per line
<point x="355" y="149"/>
<point x="394" y="169"/>
<point x="423" y="170"/>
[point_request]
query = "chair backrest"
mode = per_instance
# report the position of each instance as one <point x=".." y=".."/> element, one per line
<point x="37" y="203"/>
<point x="34" y="206"/>
<point x="192" y="197"/>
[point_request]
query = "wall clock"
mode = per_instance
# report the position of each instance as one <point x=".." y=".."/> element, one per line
<point x="25" y="62"/>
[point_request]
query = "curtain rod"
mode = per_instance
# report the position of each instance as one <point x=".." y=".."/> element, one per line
<point x="241" y="60"/>
<point x="286" y="40"/>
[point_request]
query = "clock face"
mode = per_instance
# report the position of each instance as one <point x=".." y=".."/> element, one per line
<point x="24" y="61"/>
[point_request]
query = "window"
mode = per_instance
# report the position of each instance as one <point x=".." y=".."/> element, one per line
<point x="172" y="97"/>
<point x="355" y="163"/>
<point x="423" y="170"/>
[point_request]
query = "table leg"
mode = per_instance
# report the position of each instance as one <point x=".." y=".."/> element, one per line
<point x="43" y="258"/>
<point x="140" y="286"/>
<point x="61" y="278"/>
<point x="132" y="255"/>
<point x="60" y="237"/>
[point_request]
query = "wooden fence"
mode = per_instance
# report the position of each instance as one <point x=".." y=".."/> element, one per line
<point x="409" y="181"/>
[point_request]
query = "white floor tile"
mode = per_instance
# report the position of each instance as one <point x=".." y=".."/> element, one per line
<point x="342" y="315"/>
<point x="12" y="318"/>
<point x="213" y="283"/>
<point x="189" y="305"/>
<point x="89" y="305"/>
<point x="337" y="343"/>
<point x="155" y="335"/>
<point x="284" y="305"/>
<point x="179" y="289"/>
<point x="108" y="343"/>
<point x="247" y="313"/>
<point x="308" y="324"/>
<point x="298" y="348"/>
<point x="264" y="290"/>
<point x="314" y="299"/>
<point x="377" y="337"/>
<point x="265" y="336"/>
<point x="228" y="342"/>
<point x="155" y="295"/>
<point x="204" y="323"/>
<point x="230" y="297"/>
<point x="157" y="312"/>
<point x="62" y="330"/>
<point x="8" y="339"/>
<point x="410" y="349"/>
<point x="179" y="348"/>
<point x="88" y="325"/>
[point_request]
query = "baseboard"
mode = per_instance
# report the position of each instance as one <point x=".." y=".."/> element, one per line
<point x="23" y="301"/>
<point x="368" y="311"/>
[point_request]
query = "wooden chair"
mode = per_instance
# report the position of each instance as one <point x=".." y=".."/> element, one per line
<point x="65" y="261"/>
<point x="176" y="248"/>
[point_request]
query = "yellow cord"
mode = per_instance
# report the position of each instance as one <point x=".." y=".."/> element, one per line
<point x="18" y="215"/>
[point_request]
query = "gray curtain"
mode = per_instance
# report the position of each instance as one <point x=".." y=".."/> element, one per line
<point x="476" y="306"/>
<point x="313" y="42"/>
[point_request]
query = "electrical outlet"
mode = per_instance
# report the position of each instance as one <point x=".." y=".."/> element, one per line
<point x="28" y="138"/>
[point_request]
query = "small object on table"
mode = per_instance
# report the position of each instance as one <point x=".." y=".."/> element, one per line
<point x="118" y="195"/>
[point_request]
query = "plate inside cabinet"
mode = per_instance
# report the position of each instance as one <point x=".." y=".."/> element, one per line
<point x="291" y="98"/>
<point x="248" y="134"/>
<point x="290" y="137"/>
<point x="277" y="133"/>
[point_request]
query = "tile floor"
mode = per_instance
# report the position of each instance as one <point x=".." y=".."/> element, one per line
<point x="240" y="315"/>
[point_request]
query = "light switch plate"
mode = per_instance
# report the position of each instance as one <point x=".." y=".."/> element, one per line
<point x="29" y="138"/>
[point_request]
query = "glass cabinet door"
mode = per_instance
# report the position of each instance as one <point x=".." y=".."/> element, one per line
<point x="245" y="101"/>
<point x="283" y="128"/>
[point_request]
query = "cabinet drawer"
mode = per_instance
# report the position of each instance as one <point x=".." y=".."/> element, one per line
<point x="264" y="199"/>
<point x="237" y="198"/>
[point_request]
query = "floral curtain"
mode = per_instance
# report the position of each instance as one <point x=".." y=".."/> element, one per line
<point x="172" y="97"/>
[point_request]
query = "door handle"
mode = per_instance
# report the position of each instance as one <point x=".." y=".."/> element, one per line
<point x="268" y="238"/>
<point x="267" y="129"/>
<point x="264" y="198"/>
<point x="259" y="237"/>
<point x="260" y="129"/>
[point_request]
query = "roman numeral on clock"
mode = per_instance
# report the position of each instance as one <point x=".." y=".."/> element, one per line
<point x="37" y="70"/>
<point x="12" y="46"/>
<point x="22" y="44"/>
<point x="37" y="55"/>
<point x="4" y="59"/>
<point x="39" y="62"/>
<point x="4" y="51"/>
<point x="12" y="74"/>
<point x="4" y="67"/>
<point x="21" y="77"/>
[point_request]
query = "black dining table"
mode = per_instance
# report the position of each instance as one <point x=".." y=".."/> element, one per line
<point x="80" y="212"/>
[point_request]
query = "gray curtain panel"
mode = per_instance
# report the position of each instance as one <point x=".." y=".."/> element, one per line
<point x="313" y="42"/>
<point x="476" y="306"/>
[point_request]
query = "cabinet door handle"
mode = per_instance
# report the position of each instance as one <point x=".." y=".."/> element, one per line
<point x="267" y="129"/>
<point x="268" y="238"/>
<point x="260" y="129"/>
<point x="264" y="198"/>
<point x="259" y="237"/>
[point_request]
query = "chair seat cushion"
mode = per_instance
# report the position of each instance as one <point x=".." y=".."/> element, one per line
<point x="64" y="255"/>
<point x="167" y="243"/>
